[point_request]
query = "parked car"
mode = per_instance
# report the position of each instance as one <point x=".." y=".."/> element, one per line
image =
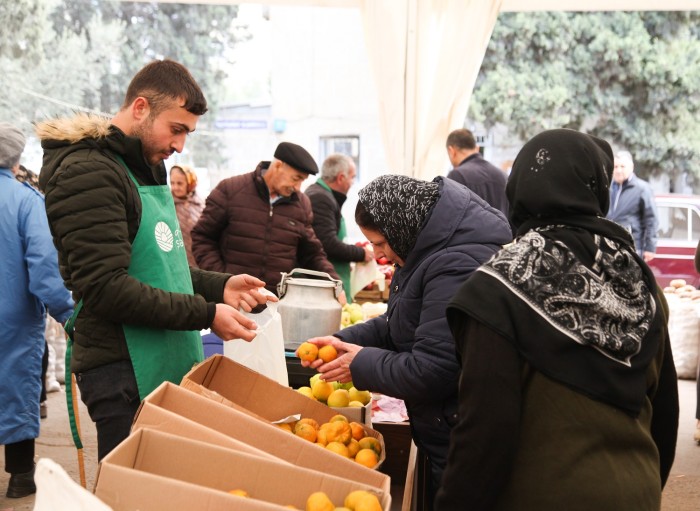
<point x="678" y="236"/>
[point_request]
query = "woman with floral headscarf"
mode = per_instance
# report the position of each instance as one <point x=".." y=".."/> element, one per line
<point x="568" y="396"/>
<point x="436" y="233"/>
<point x="188" y="205"/>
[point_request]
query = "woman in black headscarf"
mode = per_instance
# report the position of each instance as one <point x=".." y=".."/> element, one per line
<point x="436" y="233"/>
<point x="568" y="396"/>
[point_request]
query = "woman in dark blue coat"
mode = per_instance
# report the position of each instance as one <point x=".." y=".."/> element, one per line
<point x="436" y="233"/>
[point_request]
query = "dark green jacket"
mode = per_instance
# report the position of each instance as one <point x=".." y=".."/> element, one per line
<point x="94" y="212"/>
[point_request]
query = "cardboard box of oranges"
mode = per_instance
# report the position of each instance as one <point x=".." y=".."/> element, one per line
<point x="153" y="471"/>
<point x="261" y="435"/>
<point x="228" y="382"/>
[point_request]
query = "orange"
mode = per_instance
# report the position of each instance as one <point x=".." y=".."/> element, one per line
<point x="307" y="351"/>
<point x="358" y="432"/>
<point x="239" y="492"/>
<point x="321" y="436"/>
<point x="322" y="389"/>
<point x="353" y="497"/>
<point x="339" y="431"/>
<point x="353" y="448"/>
<point x="307" y="420"/>
<point x="368" y="502"/>
<point x="319" y="501"/>
<point x="369" y="442"/>
<point x="338" y="448"/>
<point x="285" y="426"/>
<point x="306" y="431"/>
<point x="367" y="457"/>
<point x="327" y="353"/>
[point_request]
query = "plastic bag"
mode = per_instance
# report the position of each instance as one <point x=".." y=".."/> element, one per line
<point x="265" y="353"/>
<point x="364" y="274"/>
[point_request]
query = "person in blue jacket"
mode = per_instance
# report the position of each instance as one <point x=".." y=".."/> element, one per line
<point x="436" y="233"/>
<point x="31" y="285"/>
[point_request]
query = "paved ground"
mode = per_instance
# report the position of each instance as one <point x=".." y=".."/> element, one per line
<point x="682" y="493"/>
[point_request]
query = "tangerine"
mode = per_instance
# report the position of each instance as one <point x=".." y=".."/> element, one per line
<point x="306" y="431"/>
<point x="369" y="442"/>
<point x="307" y="351"/>
<point x="327" y="353"/>
<point x="319" y="501"/>
<point x="338" y="448"/>
<point x="367" y="457"/>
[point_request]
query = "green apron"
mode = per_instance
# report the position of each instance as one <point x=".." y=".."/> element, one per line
<point x="158" y="259"/>
<point x="342" y="268"/>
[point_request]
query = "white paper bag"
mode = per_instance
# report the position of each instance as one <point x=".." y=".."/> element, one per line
<point x="684" y="332"/>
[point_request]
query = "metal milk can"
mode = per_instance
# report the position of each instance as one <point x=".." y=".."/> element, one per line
<point x="309" y="307"/>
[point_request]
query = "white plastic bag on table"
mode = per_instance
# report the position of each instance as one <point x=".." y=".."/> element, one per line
<point x="684" y="332"/>
<point x="265" y="353"/>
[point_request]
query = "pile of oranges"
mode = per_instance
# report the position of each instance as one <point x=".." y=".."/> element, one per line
<point x="358" y="500"/>
<point x="345" y="438"/>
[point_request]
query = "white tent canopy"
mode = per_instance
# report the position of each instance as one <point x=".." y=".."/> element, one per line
<point x="426" y="55"/>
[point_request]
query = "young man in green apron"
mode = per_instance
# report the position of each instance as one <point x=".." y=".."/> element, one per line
<point x="327" y="195"/>
<point x="140" y="306"/>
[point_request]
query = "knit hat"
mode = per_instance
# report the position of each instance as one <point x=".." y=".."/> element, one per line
<point x="297" y="157"/>
<point x="11" y="145"/>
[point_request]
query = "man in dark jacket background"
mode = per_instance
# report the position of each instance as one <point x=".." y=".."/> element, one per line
<point x="471" y="170"/>
<point x="260" y="222"/>
<point x="632" y="205"/>
<point x="327" y="196"/>
<point x="139" y="306"/>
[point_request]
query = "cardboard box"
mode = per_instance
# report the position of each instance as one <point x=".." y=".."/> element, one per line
<point x="259" y="434"/>
<point x="157" y="418"/>
<point x="152" y="471"/>
<point x="224" y="380"/>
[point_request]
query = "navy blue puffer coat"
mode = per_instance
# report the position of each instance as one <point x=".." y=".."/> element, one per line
<point x="409" y="351"/>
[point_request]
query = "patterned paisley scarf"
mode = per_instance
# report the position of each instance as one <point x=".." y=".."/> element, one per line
<point x="581" y="301"/>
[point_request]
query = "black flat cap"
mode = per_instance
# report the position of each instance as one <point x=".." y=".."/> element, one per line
<point x="297" y="157"/>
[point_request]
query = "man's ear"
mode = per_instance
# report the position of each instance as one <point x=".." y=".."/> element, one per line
<point x="140" y="109"/>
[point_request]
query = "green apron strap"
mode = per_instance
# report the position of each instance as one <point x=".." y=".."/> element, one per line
<point x="342" y="268"/>
<point x="70" y="328"/>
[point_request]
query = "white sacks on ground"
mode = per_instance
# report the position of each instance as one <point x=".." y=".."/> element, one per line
<point x="265" y="353"/>
<point x="684" y="331"/>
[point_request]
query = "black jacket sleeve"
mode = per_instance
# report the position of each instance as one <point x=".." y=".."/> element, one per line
<point x="326" y="227"/>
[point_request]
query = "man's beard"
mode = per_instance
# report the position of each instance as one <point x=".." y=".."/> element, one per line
<point x="144" y="132"/>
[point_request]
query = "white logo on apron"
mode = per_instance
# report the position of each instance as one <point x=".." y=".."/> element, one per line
<point x="164" y="237"/>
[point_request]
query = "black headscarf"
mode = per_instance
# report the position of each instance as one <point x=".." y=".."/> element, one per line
<point x="571" y="273"/>
<point x="399" y="206"/>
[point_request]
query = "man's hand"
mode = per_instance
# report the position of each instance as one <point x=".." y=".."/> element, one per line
<point x="230" y="324"/>
<point x="369" y="253"/>
<point x="243" y="291"/>
<point x="338" y="369"/>
<point x="648" y="256"/>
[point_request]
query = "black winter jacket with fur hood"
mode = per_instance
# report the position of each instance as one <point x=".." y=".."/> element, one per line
<point x="94" y="212"/>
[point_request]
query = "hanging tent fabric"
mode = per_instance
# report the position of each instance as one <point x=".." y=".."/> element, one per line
<point x="426" y="55"/>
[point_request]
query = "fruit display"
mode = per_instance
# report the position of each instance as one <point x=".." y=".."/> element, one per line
<point x="335" y="394"/>
<point x="352" y="313"/>
<point x="357" y="500"/>
<point x="347" y="439"/>
<point x="681" y="289"/>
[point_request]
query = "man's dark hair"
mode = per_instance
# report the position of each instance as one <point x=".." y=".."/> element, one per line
<point x="163" y="81"/>
<point x="461" y="139"/>
<point x="364" y="219"/>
